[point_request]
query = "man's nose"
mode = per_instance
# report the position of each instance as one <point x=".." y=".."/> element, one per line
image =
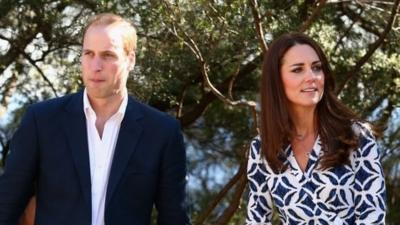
<point x="96" y="63"/>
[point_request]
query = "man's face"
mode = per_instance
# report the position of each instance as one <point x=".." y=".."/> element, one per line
<point x="105" y="64"/>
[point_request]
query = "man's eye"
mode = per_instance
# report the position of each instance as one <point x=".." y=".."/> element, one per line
<point x="108" y="55"/>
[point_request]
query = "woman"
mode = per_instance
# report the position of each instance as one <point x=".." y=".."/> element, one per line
<point x="314" y="160"/>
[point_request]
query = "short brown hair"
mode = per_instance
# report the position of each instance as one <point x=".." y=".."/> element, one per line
<point x="104" y="19"/>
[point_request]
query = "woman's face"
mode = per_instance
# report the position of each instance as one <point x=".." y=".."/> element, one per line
<point x="302" y="77"/>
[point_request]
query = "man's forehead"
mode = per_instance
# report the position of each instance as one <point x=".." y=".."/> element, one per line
<point x="114" y="26"/>
<point x="102" y="36"/>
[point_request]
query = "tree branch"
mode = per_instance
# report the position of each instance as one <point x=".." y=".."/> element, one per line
<point x="232" y="82"/>
<point x="12" y="53"/>
<point x="371" y="49"/>
<point x="191" y="44"/>
<point x="181" y="99"/>
<point x="366" y="25"/>
<point x="7" y="86"/>
<point x="306" y="24"/>
<point x="234" y="204"/>
<point x="190" y="116"/>
<point x="221" y="194"/>
<point x="33" y="63"/>
<point x="4" y="151"/>
<point x="258" y="25"/>
<point x="345" y="34"/>
<point x="5" y="38"/>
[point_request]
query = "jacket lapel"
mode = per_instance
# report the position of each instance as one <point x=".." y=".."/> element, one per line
<point x="129" y="135"/>
<point x="75" y="129"/>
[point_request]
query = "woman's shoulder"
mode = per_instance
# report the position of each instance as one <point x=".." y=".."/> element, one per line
<point x="255" y="148"/>
<point x="256" y="139"/>
<point x="256" y="143"/>
<point x="368" y="146"/>
<point x="256" y="161"/>
<point x="362" y="129"/>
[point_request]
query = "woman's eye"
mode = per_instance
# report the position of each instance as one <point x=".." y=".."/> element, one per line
<point x="296" y="70"/>
<point x="317" y="68"/>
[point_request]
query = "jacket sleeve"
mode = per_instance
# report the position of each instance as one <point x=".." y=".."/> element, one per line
<point x="16" y="182"/>
<point x="369" y="186"/>
<point x="170" y="200"/>
<point x="259" y="206"/>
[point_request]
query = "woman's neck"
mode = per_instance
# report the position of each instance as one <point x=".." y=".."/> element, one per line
<point x="304" y="122"/>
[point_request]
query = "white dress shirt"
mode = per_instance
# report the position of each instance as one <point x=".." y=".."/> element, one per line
<point x="101" y="151"/>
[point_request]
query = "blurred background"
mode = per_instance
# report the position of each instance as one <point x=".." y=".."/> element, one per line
<point x="200" y="61"/>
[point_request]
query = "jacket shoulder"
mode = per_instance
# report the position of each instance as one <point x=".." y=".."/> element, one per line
<point x="51" y="106"/>
<point x="154" y="116"/>
<point x="53" y="102"/>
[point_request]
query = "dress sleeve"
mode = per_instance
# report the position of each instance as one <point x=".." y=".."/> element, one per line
<point x="259" y="207"/>
<point x="369" y="186"/>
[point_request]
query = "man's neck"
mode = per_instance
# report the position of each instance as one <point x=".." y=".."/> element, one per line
<point x="106" y="107"/>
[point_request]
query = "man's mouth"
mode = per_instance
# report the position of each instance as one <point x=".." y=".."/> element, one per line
<point x="97" y="80"/>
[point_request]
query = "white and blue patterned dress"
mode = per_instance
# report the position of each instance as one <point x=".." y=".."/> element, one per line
<point x="344" y="195"/>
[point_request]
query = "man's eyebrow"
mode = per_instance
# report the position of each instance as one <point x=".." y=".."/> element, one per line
<point x="107" y="51"/>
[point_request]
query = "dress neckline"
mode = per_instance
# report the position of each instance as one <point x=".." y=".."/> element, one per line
<point x="311" y="163"/>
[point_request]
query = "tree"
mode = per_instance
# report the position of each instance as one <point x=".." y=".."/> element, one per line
<point x="200" y="61"/>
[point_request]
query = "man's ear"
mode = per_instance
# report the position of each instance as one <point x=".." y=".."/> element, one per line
<point x="132" y="60"/>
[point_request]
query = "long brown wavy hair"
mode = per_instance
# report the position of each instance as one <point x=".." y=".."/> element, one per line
<point x="333" y="119"/>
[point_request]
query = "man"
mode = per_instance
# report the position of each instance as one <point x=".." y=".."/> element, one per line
<point x="97" y="156"/>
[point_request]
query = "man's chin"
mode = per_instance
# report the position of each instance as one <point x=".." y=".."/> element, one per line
<point x="97" y="94"/>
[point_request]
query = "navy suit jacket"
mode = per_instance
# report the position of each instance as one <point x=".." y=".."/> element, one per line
<point x="49" y="156"/>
